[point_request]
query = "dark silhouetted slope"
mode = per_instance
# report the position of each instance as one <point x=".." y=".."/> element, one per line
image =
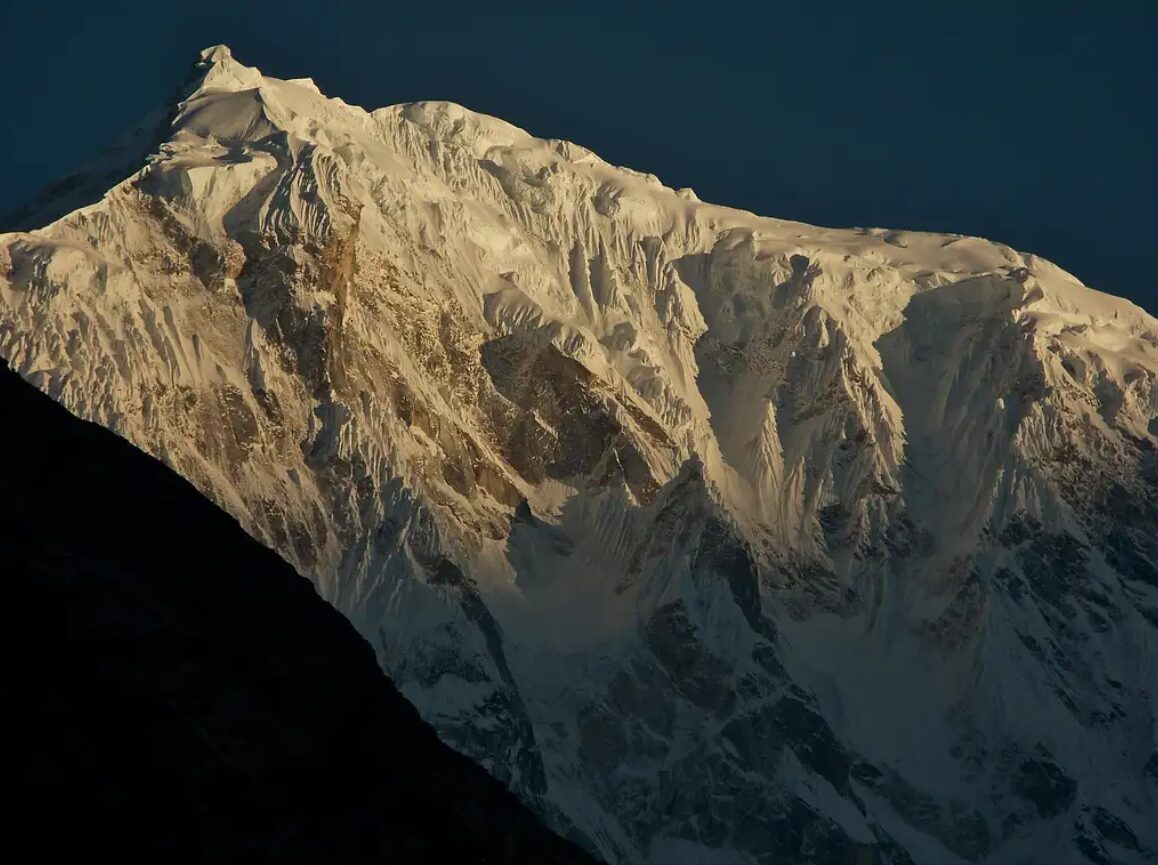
<point x="175" y="692"/>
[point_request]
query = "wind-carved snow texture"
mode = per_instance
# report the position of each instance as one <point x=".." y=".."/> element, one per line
<point x="720" y="539"/>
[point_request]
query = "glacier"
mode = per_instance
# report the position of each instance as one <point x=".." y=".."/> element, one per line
<point x="717" y="538"/>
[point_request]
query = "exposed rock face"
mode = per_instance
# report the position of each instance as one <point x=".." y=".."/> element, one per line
<point x="176" y="693"/>
<point x="716" y="538"/>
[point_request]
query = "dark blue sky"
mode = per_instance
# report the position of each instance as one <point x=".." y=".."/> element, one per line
<point x="1036" y="128"/>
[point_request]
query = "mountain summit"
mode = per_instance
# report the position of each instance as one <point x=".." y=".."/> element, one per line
<point x="717" y="538"/>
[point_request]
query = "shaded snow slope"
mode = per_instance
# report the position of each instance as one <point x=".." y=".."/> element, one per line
<point x="716" y="537"/>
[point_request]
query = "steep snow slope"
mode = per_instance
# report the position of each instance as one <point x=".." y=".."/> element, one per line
<point x="717" y="538"/>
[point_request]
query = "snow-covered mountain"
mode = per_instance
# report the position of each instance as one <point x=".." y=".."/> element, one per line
<point x="718" y="538"/>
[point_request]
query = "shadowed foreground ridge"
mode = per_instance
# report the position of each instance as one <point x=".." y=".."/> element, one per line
<point x="181" y="694"/>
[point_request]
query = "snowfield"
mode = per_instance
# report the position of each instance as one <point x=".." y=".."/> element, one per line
<point x="718" y="538"/>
